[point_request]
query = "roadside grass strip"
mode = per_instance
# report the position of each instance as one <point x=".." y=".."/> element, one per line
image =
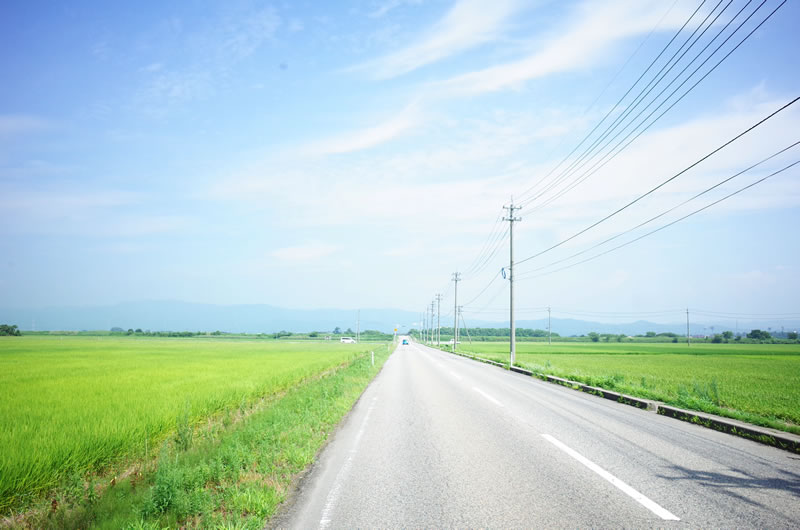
<point x="753" y="383"/>
<point x="235" y="478"/>
<point x="231" y="467"/>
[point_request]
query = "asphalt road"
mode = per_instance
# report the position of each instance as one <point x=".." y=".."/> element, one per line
<point x="442" y="441"/>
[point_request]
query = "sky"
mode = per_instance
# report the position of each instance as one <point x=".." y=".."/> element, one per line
<point x="356" y="154"/>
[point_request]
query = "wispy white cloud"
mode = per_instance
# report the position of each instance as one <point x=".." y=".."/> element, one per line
<point x="103" y="213"/>
<point x="210" y="54"/>
<point x="302" y="253"/>
<point x="578" y="45"/>
<point x="242" y="35"/>
<point x="368" y="137"/>
<point x="390" y="5"/>
<point x="16" y="124"/>
<point x="59" y="202"/>
<point x="466" y="170"/>
<point x="469" y="23"/>
<point x="152" y="67"/>
<point x="177" y="86"/>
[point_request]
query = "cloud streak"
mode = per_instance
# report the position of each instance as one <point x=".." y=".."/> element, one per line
<point x="368" y="137"/>
<point x="468" y="24"/>
<point x="17" y="124"/>
<point x="304" y="253"/>
<point x="576" y="46"/>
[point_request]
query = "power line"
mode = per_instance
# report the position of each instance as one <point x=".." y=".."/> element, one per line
<point x="605" y="159"/>
<point x="665" y="212"/>
<point x="487" y="243"/>
<point x="584" y="158"/>
<point x="588" y="135"/>
<point x="494" y="278"/>
<point x="744" y="315"/>
<point x="498" y="244"/>
<point x="673" y="222"/>
<point x="662" y="184"/>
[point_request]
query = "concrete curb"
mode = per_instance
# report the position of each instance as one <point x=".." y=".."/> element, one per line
<point x="764" y="435"/>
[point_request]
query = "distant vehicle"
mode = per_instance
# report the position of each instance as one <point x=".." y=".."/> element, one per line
<point x="405" y="342"/>
<point x="348" y="340"/>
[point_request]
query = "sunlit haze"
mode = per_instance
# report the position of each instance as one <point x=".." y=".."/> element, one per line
<point x="356" y="154"/>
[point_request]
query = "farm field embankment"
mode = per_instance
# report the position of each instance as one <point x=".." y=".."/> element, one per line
<point x="72" y="405"/>
<point x="756" y="383"/>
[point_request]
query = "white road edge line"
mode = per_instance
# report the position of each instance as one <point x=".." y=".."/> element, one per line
<point x="333" y="495"/>
<point x="635" y="495"/>
<point x="487" y="396"/>
<point x="455" y="375"/>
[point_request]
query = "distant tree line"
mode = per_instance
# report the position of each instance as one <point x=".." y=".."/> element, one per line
<point x="482" y="334"/>
<point x="9" y="331"/>
<point x="148" y="333"/>
<point x="369" y="334"/>
<point x="490" y="332"/>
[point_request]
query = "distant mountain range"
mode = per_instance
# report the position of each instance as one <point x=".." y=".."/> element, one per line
<point x="185" y="316"/>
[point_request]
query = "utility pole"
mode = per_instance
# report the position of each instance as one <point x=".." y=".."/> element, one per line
<point x="439" y="319"/>
<point x="511" y="220"/>
<point x="549" y="329"/>
<point x="433" y="331"/>
<point x="456" y="279"/>
<point x="687" y="327"/>
<point x="358" y="326"/>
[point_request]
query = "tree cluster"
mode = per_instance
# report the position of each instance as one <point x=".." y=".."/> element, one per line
<point x="758" y="334"/>
<point x="9" y="331"/>
<point x="607" y="337"/>
<point x="494" y="332"/>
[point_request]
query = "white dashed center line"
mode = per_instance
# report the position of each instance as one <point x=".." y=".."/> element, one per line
<point x="487" y="396"/>
<point x="635" y="495"/>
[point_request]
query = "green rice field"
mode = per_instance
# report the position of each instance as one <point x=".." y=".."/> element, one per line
<point x="75" y="404"/>
<point x="759" y="383"/>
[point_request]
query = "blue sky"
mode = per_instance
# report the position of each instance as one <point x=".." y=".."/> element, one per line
<point x="355" y="154"/>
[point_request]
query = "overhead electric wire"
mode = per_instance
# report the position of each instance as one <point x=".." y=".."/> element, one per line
<point x="745" y="315"/>
<point x="665" y="212"/>
<point x="589" y="134"/>
<point x="651" y="85"/>
<point x="582" y="159"/>
<point x="618" y="313"/>
<point x="671" y="223"/>
<point x="498" y="245"/>
<point x="767" y="318"/>
<point x="634" y="54"/>
<point x="662" y="184"/>
<point x="490" y="238"/>
<point x="494" y="278"/>
<point x="608" y="85"/>
<point x="603" y="161"/>
<point x="493" y="298"/>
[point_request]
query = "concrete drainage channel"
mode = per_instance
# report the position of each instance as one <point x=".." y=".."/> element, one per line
<point x="764" y="435"/>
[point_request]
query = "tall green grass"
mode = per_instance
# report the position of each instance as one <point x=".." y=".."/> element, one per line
<point x="754" y="382"/>
<point x="233" y="475"/>
<point x="69" y="405"/>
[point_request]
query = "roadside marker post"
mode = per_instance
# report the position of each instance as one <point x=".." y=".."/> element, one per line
<point x="373" y="358"/>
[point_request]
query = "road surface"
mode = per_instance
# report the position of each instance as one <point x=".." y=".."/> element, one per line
<point x="441" y="441"/>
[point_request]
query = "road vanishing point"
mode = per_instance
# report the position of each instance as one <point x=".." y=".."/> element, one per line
<point x="439" y="441"/>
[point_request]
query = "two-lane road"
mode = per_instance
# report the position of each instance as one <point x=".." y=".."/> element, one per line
<point x="441" y="441"/>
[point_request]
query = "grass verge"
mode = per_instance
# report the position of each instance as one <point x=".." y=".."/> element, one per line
<point x="751" y="383"/>
<point x="232" y="473"/>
